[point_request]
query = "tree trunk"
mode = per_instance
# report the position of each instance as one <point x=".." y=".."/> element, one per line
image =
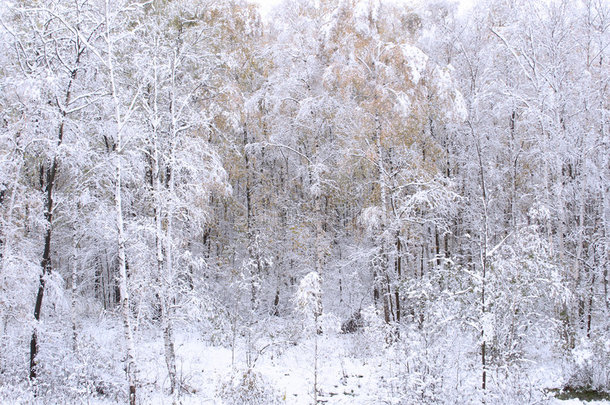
<point x="46" y="267"/>
<point x="398" y="275"/>
<point x="483" y="249"/>
<point x="73" y="300"/>
<point x="169" y="346"/>
<point x="383" y="248"/>
<point x="164" y="269"/>
<point x="605" y="189"/>
<point x="579" y="279"/>
<point x="123" y="286"/>
<point x="49" y="181"/>
<point x="169" y="299"/>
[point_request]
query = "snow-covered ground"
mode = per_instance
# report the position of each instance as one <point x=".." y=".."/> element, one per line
<point x="353" y="368"/>
<point x="286" y="369"/>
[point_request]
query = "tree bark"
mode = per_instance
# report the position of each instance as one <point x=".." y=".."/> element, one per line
<point x="383" y="248"/>
<point x="131" y="369"/>
<point x="483" y="258"/>
<point x="123" y="287"/>
<point x="49" y="181"/>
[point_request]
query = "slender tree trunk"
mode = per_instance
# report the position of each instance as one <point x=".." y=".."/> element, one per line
<point x="169" y="299"/>
<point x="399" y="276"/>
<point x="123" y="286"/>
<point x="319" y="230"/>
<point x="319" y="258"/>
<point x="49" y="181"/>
<point x="590" y="303"/>
<point x="73" y="302"/>
<point x="383" y="248"/>
<point x="515" y="160"/>
<point x="46" y="266"/>
<point x="603" y="108"/>
<point x="169" y="346"/>
<point x="483" y="260"/>
<point x="579" y="280"/>
<point x="252" y="242"/>
<point x="167" y="305"/>
<point x="606" y="221"/>
<point x="315" y="359"/>
<point x="164" y="276"/>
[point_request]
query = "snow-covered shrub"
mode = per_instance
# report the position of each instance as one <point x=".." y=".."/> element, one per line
<point x="513" y="385"/>
<point x="67" y="376"/>
<point x="309" y="303"/>
<point x="201" y="312"/>
<point x="96" y="371"/>
<point x="590" y="361"/>
<point x="20" y="393"/>
<point x="353" y="323"/>
<point x="248" y="387"/>
<point x="375" y="330"/>
<point x="370" y="338"/>
<point x="330" y="324"/>
<point x="309" y="296"/>
<point x="523" y="288"/>
<point x="425" y="359"/>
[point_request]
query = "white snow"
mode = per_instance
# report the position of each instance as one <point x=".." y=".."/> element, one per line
<point x="417" y="60"/>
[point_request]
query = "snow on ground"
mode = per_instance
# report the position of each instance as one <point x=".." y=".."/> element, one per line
<point x="288" y="368"/>
<point x="352" y="368"/>
<point x="346" y="374"/>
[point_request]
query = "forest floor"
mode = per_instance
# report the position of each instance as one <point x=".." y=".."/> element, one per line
<point x="283" y="371"/>
<point x="352" y="369"/>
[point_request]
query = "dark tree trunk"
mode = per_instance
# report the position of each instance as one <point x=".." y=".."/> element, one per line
<point x="46" y="259"/>
<point x="49" y="188"/>
<point x="399" y="276"/>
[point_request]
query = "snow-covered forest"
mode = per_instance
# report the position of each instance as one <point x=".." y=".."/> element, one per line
<point x="341" y="201"/>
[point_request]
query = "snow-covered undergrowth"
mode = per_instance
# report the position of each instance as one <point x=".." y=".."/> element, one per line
<point x="273" y="364"/>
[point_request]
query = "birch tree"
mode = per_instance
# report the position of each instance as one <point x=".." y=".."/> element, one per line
<point x="185" y="169"/>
